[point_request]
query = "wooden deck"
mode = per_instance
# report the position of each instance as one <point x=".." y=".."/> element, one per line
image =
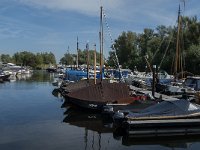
<point x="166" y="127"/>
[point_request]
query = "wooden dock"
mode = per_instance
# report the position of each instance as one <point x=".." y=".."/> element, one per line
<point x="167" y="127"/>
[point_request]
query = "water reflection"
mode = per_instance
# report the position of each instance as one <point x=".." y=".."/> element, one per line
<point x="88" y="120"/>
<point x="97" y="123"/>
<point x="42" y="76"/>
<point x="95" y="126"/>
<point x="18" y="77"/>
<point x="172" y="142"/>
<point x="56" y="93"/>
<point x="35" y="76"/>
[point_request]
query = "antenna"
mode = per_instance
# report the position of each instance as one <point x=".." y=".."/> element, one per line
<point x="183" y="1"/>
<point x="101" y="4"/>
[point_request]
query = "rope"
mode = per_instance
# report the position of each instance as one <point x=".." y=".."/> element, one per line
<point x="166" y="50"/>
<point x="112" y="43"/>
<point x="158" y="49"/>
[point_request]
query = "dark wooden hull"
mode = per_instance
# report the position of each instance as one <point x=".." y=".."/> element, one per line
<point x="96" y="96"/>
<point x="70" y="87"/>
<point x="93" y="105"/>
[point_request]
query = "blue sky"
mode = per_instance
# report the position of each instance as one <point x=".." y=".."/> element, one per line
<point x="53" y="25"/>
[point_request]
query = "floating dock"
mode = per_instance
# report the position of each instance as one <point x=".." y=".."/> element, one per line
<point x="167" y="127"/>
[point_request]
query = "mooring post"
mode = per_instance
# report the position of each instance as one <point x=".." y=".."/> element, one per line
<point x="153" y="82"/>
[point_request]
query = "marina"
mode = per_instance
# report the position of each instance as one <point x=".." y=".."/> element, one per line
<point x="31" y="117"/>
<point x="140" y="92"/>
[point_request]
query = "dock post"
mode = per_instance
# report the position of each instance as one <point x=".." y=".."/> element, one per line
<point x="153" y="82"/>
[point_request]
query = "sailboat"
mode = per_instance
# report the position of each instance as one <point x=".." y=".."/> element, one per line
<point x="96" y="96"/>
<point x="181" y="83"/>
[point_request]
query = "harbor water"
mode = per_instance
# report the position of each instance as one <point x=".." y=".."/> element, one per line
<point x="31" y="117"/>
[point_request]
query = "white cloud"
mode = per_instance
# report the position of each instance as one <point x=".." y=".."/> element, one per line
<point x="88" y="7"/>
<point x="156" y="11"/>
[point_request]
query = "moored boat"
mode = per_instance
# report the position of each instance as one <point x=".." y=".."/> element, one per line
<point x="165" y="118"/>
<point x="95" y="96"/>
<point x="4" y="77"/>
<point x="98" y="95"/>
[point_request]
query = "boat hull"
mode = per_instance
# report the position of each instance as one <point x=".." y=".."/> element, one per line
<point x="96" y="96"/>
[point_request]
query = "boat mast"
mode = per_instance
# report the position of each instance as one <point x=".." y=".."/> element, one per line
<point x="101" y="42"/>
<point x="95" y="64"/>
<point x="77" y="54"/>
<point x="87" y="48"/>
<point x="178" y="64"/>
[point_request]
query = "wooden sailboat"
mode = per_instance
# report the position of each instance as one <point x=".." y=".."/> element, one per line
<point x="101" y="93"/>
<point x="177" y="67"/>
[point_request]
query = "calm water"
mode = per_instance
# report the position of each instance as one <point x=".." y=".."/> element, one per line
<point x="32" y="118"/>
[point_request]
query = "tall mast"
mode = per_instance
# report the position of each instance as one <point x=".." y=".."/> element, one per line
<point x="77" y="54"/>
<point x="95" y="64"/>
<point x="177" y="66"/>
<point x="101" y="42"/>
<point x="87" y="48"/>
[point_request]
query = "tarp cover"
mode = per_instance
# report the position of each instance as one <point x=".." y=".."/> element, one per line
<point x="168" y="108"/>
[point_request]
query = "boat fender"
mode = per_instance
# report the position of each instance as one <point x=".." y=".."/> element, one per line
<point x="150" y="96"/>
<point x="118" y="116"/>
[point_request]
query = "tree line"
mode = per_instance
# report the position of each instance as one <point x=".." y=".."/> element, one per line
<point x="25" y="58"/>
<point x="43" y="60"/>
<point x="158" y="47"/>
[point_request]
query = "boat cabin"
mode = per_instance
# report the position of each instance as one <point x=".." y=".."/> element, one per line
<point x="192" y="82"/>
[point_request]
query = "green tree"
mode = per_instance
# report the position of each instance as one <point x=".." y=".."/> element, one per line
<point x="48" y="58"/>
<point x="191" y="28"/>
<point x="6" y="58"/>
<point x="126" y="49"/>
<point x="17" y="58"/>
<point x="160" y="46"/>
<point x="192" y="59"/>
<point x="67" y="59"/>
<point x="143" y="40"/>
<point x="70" y="59"/>
<point x="39" y="59"/>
